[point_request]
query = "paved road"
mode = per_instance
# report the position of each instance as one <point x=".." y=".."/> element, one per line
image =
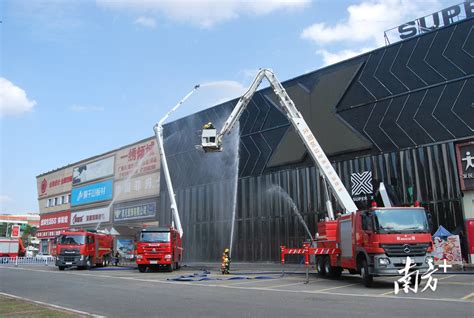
<point x="127" y="293"/>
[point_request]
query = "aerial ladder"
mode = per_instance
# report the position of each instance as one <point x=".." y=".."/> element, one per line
<point x="158" y="128"/>
<point x="212" y="139"/>
<point x="337" y="238"/>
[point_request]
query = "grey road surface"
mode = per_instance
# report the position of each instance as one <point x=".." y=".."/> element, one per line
<point x="127" y="293"/>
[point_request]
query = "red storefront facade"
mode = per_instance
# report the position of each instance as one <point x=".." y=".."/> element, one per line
<point x="51" y="225"/>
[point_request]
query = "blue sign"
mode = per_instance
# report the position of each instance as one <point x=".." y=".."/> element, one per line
<point x="100" y="191"/>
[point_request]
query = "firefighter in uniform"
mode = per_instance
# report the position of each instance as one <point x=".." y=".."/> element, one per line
<point x="209" y="125"/>
<point x="225" y="265"/>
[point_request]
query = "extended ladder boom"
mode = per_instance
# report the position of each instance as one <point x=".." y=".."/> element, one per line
<point x="158" y="128"/>
<point x="214" y="143"/>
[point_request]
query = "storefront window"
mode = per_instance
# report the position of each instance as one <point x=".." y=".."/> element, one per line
<point x="44" y="247"/>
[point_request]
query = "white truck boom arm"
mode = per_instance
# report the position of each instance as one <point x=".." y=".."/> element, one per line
<point x="158" y="128"/>
<point x="212" y="142"/>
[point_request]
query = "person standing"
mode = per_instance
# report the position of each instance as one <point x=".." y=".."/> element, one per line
<point x="225" y="265"/>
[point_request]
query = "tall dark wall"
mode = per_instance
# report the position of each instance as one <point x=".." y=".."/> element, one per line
<point x="265" y="220"/>
<point x="395" y="111"/>
<point x="416" y="92"/>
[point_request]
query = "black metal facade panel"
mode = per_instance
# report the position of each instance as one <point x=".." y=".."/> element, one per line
<point x="409" y="101"/>
<point x="265" y="220"/>
<point x="415" y="92"/>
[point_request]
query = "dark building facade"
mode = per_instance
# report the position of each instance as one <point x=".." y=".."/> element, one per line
<point x="398" y="112"/>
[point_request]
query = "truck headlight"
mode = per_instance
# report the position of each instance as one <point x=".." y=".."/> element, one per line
<point x="429" y="259"/>
<point x="167" y="256"/>
<point x="384" y="261"/>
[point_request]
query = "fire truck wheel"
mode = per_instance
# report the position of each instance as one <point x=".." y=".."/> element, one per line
<point x="327" y="267"/>
<point x="364" y="272"/>
<point x="170" y="268"/>
<point x="320" y="266"/>
<point x="88" y="264"/>
<point x="141" y="268"/>
<point x="61" y="268"/>
<point x="331" y="271"/>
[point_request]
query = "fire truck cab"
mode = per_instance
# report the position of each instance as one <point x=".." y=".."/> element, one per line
<point x="159" y="247"/>
<point x="374" y="242"/>
<point x="83" y="249"/>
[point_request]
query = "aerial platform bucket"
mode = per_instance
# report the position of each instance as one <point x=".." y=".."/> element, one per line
<point x="209" y="140"/>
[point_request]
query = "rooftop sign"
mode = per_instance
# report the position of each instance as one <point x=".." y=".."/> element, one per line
<point x="431" y="22"/>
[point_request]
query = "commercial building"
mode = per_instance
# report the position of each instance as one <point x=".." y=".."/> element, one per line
<point x="116" y="191"/>
<point x="402" y="115"/>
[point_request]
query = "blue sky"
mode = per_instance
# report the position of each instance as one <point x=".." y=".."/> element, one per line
<point x="80" y="78"/>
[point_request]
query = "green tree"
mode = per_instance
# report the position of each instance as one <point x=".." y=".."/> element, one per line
<point x="27" y="232"/>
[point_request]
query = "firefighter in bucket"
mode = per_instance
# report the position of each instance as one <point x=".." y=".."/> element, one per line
<point x="209" y="125"/>
<point x="225" y="265"/>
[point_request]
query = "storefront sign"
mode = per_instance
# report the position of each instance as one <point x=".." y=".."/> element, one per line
<point x="57" y="220"/>
<point x="94" y="170"/>
<point x="100" y="215"/>
<point x="137" y="159"/>
<point x="100" y="191"/>
<point x="138" y="187"/>
<point x="48" y="233"/>
<point x="133" y="211"/>
<point x="361" y="185"/>
<point x="54" y="183"/>
<point x="432" y="22"/>
<point x="15" y="233"/>
<point x="465" y="156"/>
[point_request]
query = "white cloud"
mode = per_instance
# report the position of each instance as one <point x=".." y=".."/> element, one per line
<point x="203" y="13"/>
<point x="80" y="108"/>
<point x="363" y="29"/>
<point x="13" y="99"/>
<point x="368" y="20"/>
<point x="146" y="22"/>
<point x="5" y="199"/>
<point x="334" y="57"/>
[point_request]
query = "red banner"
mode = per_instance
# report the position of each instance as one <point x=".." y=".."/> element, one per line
<point x="470" y="235"/>
<point x="55" y="221"/>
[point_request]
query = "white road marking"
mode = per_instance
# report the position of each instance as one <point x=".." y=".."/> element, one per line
<point x="198" y="284"/>
<point x="247" y="281"/>
<point x="52" y="305"/>
<point x="449" y="276"/>
<point x="468" y="296"/>
<point x="285" y="285"/>
<point x="337" y="287"/>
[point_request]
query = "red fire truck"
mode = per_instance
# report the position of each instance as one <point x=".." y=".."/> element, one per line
<point x="83" y="249"/>
<point x="11" y="247"/>
<point x="159" y="247"/>
<point x="371" y="242"/>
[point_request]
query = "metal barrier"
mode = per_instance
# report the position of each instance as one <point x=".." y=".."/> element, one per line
<point x="27" y="261"/>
